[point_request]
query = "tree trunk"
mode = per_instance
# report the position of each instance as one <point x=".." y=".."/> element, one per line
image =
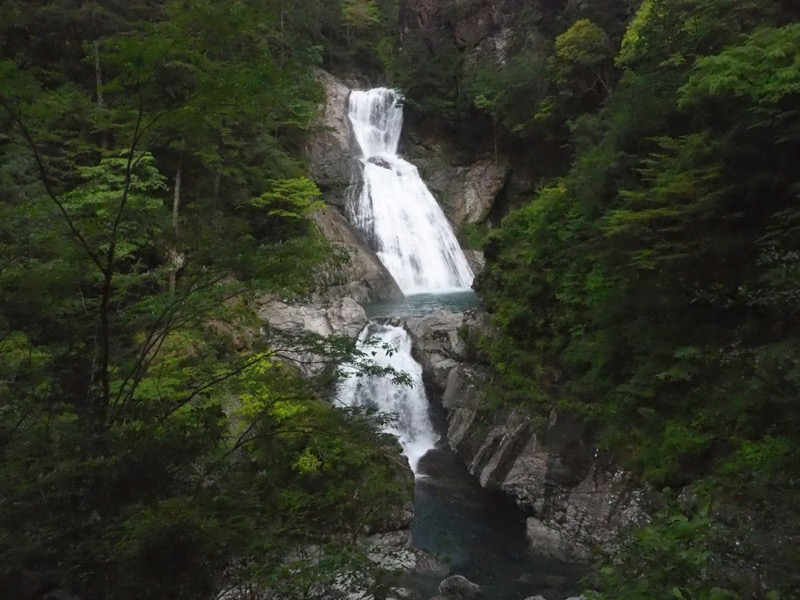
<point x="175" y="257"/>
<point x="98" y="76"/>
<point x="217" y="182"/>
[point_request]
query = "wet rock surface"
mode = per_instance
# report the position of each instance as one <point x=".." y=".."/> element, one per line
<point x="574" y="500"/>
<point x="458" y="587"/>
<point x="353" y="270"/>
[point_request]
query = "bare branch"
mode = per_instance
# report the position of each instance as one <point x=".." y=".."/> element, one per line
<point x="45" y="180"/>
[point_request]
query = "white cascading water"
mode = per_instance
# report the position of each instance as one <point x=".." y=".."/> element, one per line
<point x="395" y="211"/>
<point x="408" y="404"/>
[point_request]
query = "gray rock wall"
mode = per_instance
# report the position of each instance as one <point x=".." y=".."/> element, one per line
<point x="329" y="149"/>
<point x="353" y="270"/>
<point x="576" y="501"/>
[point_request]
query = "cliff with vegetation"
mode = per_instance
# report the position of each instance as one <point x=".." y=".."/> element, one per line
<point x="641" y="259"/>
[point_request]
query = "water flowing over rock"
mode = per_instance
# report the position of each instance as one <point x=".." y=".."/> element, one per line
<point x="394" y="211"/>
<point x="353" y="270"/>
<point x="408" y="403"/>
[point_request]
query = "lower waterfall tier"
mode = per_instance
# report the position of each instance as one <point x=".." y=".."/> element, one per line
<point x="407" y="405"/>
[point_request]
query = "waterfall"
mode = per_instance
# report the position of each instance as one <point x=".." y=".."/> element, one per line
<point x="408" y="404"/>
<point x="395" y="212"/>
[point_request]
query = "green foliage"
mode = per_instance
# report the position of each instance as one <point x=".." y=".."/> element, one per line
<point x="652" y="290"/>
<point x="582" y="61"/>
<point x="152" y="445"/>
<point x="582" y="45"/>
<point x="763" y="70"/>
<point x="665" y="560"/>
<point x="512" y="93"/>
<point x="475" y="235"/>
<point x="360" y="14"/>
<point x="290" y="198"/>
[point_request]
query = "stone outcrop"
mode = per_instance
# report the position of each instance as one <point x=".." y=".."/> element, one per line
<point x="475" y="259"/>
<point x="437" y="345"/>
<point x="329" y="149"/>
<point x="353" y="270"/>
<point x="482" y="182"/>
<point x="343" y="317"/>
<point x="575" y="501"/>
<point x="466" y="191"/>
<point x="284" y="323"/>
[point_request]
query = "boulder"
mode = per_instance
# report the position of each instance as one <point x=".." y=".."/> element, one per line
<point x="437" y="343"/>
<point x="548" y="541"/>
<point x="500" y="449"/>
<point x="430" y="564"/>
<point x="458" y="587"/>
<point x="353" y="270"/>
<point x="391" y="551"/>
<point x="461" y="399"/>
<point x="344" y="317"/>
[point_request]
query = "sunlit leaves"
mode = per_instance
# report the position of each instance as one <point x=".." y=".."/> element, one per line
<point x="583" y="44"/>
<point x="102" y="200"/>
<point x="764" y="69"/>
<point x="290" y="198"/>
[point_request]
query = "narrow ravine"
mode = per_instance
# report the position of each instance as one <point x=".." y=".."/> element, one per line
<point x="478" y="534"/>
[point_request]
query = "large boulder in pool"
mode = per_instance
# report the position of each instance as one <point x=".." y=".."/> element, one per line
<point x="458" y="587"/>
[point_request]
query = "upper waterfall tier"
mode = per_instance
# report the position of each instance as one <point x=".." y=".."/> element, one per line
<point x="398" y="216"/>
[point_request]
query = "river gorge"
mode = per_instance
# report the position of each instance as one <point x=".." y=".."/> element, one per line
<point x="471" y="531"/>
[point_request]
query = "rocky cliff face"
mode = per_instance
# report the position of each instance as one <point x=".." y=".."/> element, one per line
<point x="466" y="192"/>
<point x="353" y="271"/>
<point x="575" y="500"/>
<point x="330" y="158"/>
